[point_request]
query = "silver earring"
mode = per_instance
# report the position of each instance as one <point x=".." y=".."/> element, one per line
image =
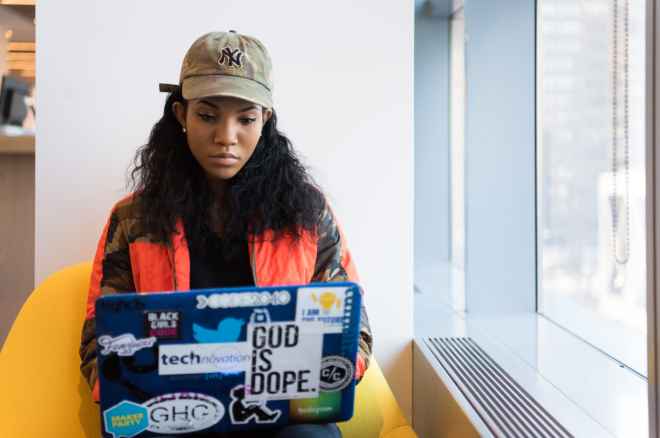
<point x="184" y="129"/>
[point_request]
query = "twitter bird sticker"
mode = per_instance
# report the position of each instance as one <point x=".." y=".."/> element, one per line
<point x="228" y="330"/>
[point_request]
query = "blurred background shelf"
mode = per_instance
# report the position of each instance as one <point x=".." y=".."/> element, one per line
<point x="16" y="141"/>
<point x="17" y="164"/>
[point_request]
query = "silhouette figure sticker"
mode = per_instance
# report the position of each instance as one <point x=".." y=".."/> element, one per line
<point x="244" y="412"/>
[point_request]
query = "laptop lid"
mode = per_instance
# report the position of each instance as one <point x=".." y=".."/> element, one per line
<point x="219" y="360"/>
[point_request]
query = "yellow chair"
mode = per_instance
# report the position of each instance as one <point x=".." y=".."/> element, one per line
<point x="42" y="393"/>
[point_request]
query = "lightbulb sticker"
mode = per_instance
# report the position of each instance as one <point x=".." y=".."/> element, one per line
<point x="326" y="305"/>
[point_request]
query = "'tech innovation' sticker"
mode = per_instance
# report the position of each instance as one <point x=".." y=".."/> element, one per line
<point x="223" y="357"/>
<point x="286" y="361"/>
<point x="326" y="305"/>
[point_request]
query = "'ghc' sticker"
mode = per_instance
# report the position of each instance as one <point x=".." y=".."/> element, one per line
<point x="125" y="419"/>
<point x="336" y="373"/>
<point x="183" y="412"/>
<point x="124" y="345"/>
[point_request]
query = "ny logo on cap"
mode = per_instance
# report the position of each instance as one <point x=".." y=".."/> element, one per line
<point x="231" y="57"/>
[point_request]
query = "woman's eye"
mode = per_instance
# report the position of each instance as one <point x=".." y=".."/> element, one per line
<point x="206" y="117"/>
<point x="247" y="120"/>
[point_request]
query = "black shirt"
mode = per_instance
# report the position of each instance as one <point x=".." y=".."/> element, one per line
<point x="213" y="265"/>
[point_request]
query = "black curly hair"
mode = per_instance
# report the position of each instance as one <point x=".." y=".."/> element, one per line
<point x="273" y="191"/>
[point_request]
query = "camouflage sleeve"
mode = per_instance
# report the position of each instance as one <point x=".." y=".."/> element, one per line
<point x="111" y="273"/>
<point x="334" y="263"/>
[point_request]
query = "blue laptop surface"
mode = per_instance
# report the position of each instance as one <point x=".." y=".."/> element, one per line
<point x="217" y="360"/>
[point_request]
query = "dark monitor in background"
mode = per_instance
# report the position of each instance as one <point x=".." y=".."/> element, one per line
<point x="12" y="101"/>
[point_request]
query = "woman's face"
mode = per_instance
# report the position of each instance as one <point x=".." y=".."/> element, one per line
<point x="222" y="133"/>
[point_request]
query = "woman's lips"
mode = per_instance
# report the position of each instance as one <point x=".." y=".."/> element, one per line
<point x="224" y="159"/>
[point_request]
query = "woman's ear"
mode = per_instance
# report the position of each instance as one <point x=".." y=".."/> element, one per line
<point x="179" y="110"/>
<point x="267" y="114"/>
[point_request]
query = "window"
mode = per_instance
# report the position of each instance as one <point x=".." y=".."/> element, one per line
<point x="457" y="157"/>
<point x="591" y="173"/>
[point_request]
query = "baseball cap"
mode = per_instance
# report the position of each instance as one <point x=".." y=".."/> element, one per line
<point x="226" y="64"/>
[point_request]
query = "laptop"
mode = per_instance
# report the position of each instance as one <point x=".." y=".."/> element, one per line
<point x="222" y="360"/>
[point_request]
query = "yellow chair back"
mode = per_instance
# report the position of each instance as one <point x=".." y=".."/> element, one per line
<point x="44" y="394"/>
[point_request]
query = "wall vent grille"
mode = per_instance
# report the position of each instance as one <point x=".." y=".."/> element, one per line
<point x="504" y="406"/>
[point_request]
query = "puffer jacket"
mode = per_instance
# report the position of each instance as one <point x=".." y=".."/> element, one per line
<point x="128" y="259"/>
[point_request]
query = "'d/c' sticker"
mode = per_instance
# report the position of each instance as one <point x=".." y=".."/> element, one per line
<point x="336" y="373"/>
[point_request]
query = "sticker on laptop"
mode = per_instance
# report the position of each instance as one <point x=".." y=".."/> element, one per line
<point x="125" y="419"/>
<point x="121" y="306"/>
<point x="227" y="330"/>
<point x="242" y="412"/>
<point x="327" y="405"/>
<point x="336" y="373"/>
<point x="202" y="358"/>
<point x="183" y="412"/>
<point x="327" y="305"/>
<point x="124" y="345"/>
<point x="286" y="360"/>
<point x="163" y="324"/>
<point x="244" y="299"/>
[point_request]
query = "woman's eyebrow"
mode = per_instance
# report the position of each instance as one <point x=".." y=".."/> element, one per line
<point x="209" y="103"/>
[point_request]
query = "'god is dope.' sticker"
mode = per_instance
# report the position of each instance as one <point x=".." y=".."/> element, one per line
<point x="286" y="360"/>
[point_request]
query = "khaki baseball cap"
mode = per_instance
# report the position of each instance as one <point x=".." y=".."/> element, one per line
<point x="226" y="64"/>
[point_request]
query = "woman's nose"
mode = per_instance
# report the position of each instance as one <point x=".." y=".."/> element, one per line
<point x="225" y="134"/>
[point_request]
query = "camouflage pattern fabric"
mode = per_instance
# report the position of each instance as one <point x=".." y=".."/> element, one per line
<point x="114" y="272"/>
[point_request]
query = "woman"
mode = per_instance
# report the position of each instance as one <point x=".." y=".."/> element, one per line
<point x="220" y="199"/>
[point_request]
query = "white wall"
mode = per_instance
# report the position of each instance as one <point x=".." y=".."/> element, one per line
<point x="343" y="91"/>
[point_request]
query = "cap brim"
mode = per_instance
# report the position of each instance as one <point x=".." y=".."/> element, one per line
<point x="197" y="87"/>
<point x="167" y="88"/>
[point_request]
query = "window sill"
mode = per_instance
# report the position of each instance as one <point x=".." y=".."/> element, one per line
<point x="587" y="391"/>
